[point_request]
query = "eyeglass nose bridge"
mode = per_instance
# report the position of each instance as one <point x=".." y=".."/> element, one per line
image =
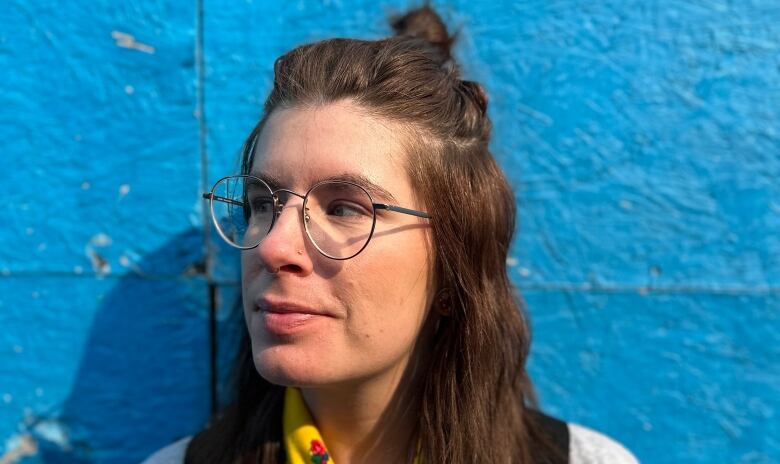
<point x="279" y="204"/>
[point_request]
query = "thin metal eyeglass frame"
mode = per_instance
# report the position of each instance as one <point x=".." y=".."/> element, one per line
<point x="211" y="196"/>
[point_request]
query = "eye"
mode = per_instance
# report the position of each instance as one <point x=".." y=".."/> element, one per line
<point x="345" y="209"/>
<point x="262" y="205"/>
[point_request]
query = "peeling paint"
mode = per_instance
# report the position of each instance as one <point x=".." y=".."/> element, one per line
<point x="17" y="447"/>
<point x="126" y="40"/>
<point x="53" y="431"/>
<point x="100" y="264"/>
<point x="100" y="240"/>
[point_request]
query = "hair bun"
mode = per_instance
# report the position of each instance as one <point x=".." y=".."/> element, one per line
<point x="426" y="24"/>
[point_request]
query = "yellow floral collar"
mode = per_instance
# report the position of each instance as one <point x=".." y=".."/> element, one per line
<point x="302" y="441"/>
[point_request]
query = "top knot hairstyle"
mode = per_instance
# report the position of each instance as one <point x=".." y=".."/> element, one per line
<point x="425" y="24"/>
<point x="474" y="399"/>
<point x="409" y="78"/>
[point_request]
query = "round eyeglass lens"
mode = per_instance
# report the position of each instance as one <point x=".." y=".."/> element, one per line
<point x="339" y="218"/>
<point x="243" y="210"/>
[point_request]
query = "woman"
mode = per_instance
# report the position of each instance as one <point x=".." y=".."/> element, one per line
<point x="375" y="227"/>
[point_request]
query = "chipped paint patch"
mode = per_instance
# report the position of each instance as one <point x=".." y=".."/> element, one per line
<point x="525" y="272"/>
<point x="100" y="265"/>
<point x="52" y="431"/>
<point x="100" y="240"/>
<point x="125" y="40"/>
<point x="17" y="447"/>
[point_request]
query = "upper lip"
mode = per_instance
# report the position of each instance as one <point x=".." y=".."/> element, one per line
<point x="275" y="305"/>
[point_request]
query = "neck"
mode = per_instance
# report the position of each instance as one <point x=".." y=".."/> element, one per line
<point x="371" y="420"/>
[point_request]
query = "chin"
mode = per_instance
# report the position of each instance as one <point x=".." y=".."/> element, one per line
<point x="291" y="366"/>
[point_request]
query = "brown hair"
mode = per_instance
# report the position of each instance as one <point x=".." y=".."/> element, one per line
<point x="474" y="396"/>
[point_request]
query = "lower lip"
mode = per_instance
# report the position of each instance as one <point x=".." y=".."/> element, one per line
<point x="288" y="323"/>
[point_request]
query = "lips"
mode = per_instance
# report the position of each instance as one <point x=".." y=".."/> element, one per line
<point x="280" y="306"/>
<point x="282" y="317"/>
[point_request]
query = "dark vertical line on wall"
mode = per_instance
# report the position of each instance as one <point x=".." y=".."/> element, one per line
<point x="213" y="346"/>
<point x="200" y="111"/>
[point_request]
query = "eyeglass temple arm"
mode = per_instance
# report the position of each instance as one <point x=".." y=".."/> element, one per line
<point x="212" y="197"/>
<point x="399" y="209"/>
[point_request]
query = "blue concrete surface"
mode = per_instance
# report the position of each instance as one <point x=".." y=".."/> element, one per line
<point x="642" y="140"/>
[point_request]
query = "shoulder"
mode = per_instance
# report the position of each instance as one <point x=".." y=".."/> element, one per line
<point x="587" y="446"/>
<point x="171" y="454"/>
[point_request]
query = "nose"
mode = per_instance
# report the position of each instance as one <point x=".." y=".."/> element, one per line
<point x="285" y="247"/>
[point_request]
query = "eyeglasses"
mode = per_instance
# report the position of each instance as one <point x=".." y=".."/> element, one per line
<point x="339" y="216"/>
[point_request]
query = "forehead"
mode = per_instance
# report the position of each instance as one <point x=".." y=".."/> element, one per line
<point x="301" y="145"/>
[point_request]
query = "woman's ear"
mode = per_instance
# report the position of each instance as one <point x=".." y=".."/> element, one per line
<point x="442" y="302"/>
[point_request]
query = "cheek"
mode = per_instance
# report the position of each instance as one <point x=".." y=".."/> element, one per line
<point x="247" y="274"/>
<point x="249" y="263"/>
<point x="251" y="267"/>
<point x="388" y="299"/>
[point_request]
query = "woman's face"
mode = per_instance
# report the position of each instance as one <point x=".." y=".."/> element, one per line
<point x="319" y="321"/>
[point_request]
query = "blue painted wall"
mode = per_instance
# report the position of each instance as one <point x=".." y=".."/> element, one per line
<point x="642" y="139"/>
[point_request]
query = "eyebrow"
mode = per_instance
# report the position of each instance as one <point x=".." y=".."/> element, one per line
<point x="373" y="189"/>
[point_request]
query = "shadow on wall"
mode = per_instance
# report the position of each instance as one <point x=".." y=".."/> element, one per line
<point x="144" y="378"/>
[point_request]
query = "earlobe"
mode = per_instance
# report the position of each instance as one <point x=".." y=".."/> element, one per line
<point x="443" y="302"/>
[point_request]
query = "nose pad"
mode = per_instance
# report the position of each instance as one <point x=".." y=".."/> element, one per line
<point x="279" y="206"/>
